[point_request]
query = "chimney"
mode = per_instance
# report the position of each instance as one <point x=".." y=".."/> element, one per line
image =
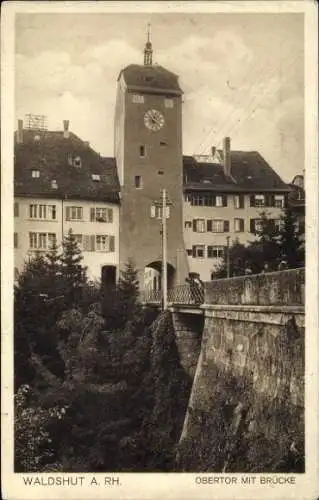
<point x="20" y="132"/>
<point x="227" y="156"/>
<point x="66" y="129"/>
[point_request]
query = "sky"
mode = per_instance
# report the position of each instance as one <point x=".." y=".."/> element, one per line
<point x="242" y="76"/>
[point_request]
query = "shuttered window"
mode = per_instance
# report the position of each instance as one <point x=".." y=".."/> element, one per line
<point x="199" y="225"/>
<point x="239" y="225"/>
<point x="215" y="252"/>
<point x="74" y="213"/>
<point x="239" y="201"/>
<point x="198" y="251"/>
<point x="101" y="214"/>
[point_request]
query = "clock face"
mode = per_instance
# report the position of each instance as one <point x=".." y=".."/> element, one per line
<point x="153" y="119"/>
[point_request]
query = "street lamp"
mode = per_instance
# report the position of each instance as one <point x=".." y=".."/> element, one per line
<point x="164" y="206"/>
<point x="227" y="257"/>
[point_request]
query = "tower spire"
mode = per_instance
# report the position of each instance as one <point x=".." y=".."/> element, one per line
<point x="148" y="51"/>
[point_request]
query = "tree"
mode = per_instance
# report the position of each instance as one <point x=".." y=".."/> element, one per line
<point x="291" y="248"/>
<point x="73" y="272"/>
<point x="266" y="244"/>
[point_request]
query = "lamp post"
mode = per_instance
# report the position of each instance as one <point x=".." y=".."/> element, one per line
<point x="163" y="205"/>
<point x="228" y="261"/>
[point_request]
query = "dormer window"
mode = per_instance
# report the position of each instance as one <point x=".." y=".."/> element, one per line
<point x="54" y="184"/>
<point x="96" y="177"/>
<point x="35" y="174"/>
<point x="77" y="162"/>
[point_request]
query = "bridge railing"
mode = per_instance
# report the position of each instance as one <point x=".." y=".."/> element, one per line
<point x="187" y="294"/>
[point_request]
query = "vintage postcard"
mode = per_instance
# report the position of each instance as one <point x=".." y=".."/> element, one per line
<point x="160" y="250"/>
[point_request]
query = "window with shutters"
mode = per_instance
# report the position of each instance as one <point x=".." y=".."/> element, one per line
<point x="217" y="226"/>
<point x="42" y="212"/>
<point x="15" y="240"/>
<point x="105" y="243"/>
<point x="41" y="241"/>
<point x="51" y="240"/>
<point x="79" y="239"/>
<point x="215" y="252"/>
<point x="239" y="225"/>
<point x="219" y="201"/>
<point x="239" y="201"/>
<point x="74" y="213"/>
<point x="101" y="214"/>
<point x="200" y="200"/>
<point x="279" y="201"/>
<point x="16" y="209"/>
<point x="259" y="200"/>
<point x="198" y="251"/>
<point x="156" y="212"/>
<point x="256" y="225"/>
<point x="199" y="225"/>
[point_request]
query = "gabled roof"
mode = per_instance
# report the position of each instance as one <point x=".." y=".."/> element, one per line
<point x="150" y="78"/>
<point x="249" y="172"/>
<point x="51" y="154"/>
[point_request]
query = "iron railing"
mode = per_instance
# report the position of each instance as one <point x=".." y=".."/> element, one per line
<point x="187" y="294"/>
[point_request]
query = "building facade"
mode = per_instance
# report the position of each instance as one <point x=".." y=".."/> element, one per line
<point x="148" y="151"/>
<point x="62" y="184"/>
<point x="113" y="205"/>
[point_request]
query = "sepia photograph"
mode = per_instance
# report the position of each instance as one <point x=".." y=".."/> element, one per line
<point x="160" y="241"/>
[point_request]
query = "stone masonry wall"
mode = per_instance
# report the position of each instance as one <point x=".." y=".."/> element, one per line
<point x="254" y="335"/>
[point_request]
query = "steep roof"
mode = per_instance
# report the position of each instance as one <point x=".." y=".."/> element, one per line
<point x="151" y="79"/>
<point x="51" y="154"/>
<point x="249" y="172"/>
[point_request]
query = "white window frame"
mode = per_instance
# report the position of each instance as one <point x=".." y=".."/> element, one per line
<point x="156" y="212"/>
<point x="35" y="174"/>
<point x="217" y="226"/>
<point x="137" y="98"/>
<point x="102" y="243"/>
<point x="259" y="200"/>
<point x="76" y="213"/>
<point x="168" y="103"/>
<point x="51" y="240"/>
<point x="199" y="248"/>
<point x="33" y="240"/>
<point x="42" y="241"/>
<point x="281" y="199"/>
<point x="258" y="225"/>
<point x="200" y="225"/>
<point x="219" y="201"/>
<point x="237" y="224"/>
<point x="33" y="211"/>
<point x="218" y="250"/>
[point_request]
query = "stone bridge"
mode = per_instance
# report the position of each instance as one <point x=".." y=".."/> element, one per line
<point x="250" y="328"/>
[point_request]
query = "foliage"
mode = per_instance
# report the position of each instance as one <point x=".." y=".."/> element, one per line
<point x="269" y="248"/>
<point x="72" y="270"/>
<point x="34" y="427"/>
<point x="290" y="240"/>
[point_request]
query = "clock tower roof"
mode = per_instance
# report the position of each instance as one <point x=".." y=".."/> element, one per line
<point x="152" y="79"/>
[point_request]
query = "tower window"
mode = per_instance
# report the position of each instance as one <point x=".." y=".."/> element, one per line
<point x="142" y="151"/>
<point x="137" y="98"/>
<point x="168" y="103"/>
<point x="138" y="182"/>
